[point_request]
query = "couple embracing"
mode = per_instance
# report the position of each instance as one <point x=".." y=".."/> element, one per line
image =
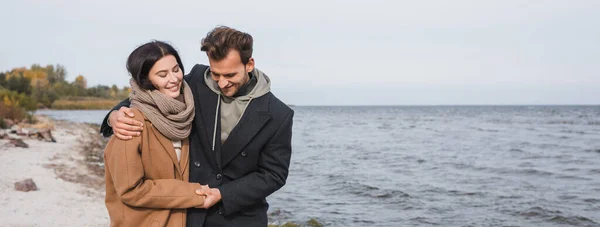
<point x="202" y="149"/>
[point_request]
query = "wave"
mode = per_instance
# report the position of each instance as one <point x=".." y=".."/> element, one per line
<point x="556" y="216"/>
<point x="365" y="190"/>
<point x="573" y="132"/>
<point x="528" y="171"/>
<point x="463" y="193"/>
<point x="593" y="122"/>
<point x="561" y="122"/>
<point x="593" y="150"/>
<point x="485" y="130"/>
<point x="592" y="201"/>
<point x="516" y="150"/>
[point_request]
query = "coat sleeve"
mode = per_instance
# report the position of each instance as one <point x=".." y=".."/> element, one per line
<point x="124" y="163"/>
<point x="106" y="130"/>
<point x="273" y="165"/>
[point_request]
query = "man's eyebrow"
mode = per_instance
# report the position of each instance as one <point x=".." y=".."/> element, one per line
<point x="227" y="74"/>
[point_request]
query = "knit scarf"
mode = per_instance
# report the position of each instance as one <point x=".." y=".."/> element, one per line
<point x="172" y="117"/>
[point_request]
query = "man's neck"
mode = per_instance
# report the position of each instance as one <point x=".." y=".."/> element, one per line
<point x="248" y="86"/>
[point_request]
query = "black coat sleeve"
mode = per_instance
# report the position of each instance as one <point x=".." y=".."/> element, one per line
<point x="106" y="130"/>
<point x="273" y="167"/>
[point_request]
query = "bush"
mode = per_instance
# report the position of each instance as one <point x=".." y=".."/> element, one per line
<point x="12" y="112"/>
<point x="17" y="100"/>
<point x="14" y="106"/>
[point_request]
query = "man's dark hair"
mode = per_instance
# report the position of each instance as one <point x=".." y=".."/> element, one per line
<point x="222" y="39"/>
<point x="141" y="60"/>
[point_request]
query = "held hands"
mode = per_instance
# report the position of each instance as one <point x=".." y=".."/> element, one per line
<point x="123" y="124"/>
<point x="213" y="196"/>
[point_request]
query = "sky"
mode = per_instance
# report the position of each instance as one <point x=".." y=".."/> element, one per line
<point x="508" y="52"/>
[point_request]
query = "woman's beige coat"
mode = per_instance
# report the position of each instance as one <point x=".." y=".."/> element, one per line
<point x="145" y="183"/>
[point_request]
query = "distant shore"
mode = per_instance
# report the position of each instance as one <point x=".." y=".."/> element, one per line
<point x="84" y="104"/>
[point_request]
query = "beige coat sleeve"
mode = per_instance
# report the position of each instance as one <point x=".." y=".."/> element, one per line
<point x="124" y="162"/>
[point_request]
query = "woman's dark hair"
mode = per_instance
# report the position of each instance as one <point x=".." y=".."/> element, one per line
<point x="141" y="60"/>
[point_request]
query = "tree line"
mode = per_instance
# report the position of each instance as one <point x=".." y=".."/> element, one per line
<point x="27" y="89"/>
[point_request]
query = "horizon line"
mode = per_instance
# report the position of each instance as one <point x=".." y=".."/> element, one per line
<point x="433" y="105"/>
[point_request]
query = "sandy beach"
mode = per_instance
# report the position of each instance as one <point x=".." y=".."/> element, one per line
<point x="69" y="193"/>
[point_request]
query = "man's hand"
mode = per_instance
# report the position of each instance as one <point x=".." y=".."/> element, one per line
<point x="124" y="127"/>
<point x="202" y="192"/>
<point x="213" y="196"/>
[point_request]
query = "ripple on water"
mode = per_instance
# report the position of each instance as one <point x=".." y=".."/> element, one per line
<point x="571" y="177"/>
<point x="463" y="193"/>
<point x="591" y="200"/>
<point x="573" y="132"/>
<point x="556" y="216"/>
<point x="516" y="150"/>
<point x="567" y="197"/>
<point x="423" y="220"/>
<point x="510" y="197"/>
<point x="593" y="171"/>
<point x="520" y="172"/>
<point x="365" y="190"/>
<point x="593" y="150"/>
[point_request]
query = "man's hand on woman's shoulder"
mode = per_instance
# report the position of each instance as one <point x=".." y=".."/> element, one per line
<point x="123" y="124"/>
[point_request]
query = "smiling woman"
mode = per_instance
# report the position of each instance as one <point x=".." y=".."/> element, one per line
<point x="147" y="176"/>
<point x="166" y="76"/>
<point x="157" y="56"/>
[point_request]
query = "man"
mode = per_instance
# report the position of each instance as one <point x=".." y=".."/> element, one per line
<point x="240" y="144"/>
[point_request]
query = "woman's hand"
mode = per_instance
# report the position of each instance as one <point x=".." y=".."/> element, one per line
<point x="213" y="196"/>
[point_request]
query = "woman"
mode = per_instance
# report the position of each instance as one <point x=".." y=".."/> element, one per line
<point x="146" y="177"/>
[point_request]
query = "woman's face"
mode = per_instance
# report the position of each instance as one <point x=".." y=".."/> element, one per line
<point x="166" y="76"/>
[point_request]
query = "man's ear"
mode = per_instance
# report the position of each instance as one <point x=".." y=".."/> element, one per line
<point x="250" y="65"/>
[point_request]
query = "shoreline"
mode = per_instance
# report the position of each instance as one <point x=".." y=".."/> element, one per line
<point x="69" y="192"/>
<point x="69" y="175"/>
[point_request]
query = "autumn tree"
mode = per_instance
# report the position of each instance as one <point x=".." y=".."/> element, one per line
<point x="101" y="91"/>
<point x="56" y="75"/>
<point x="81" y="81"/>
<point x="19" y="84"/>
<point x="114" y="91"/>
<point x="79" y="86"/>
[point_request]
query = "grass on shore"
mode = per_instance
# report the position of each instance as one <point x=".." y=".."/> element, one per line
<point x="84" y="103"/>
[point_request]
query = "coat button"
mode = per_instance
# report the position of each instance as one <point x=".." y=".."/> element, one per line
<point x="221" y="212"/>
<point x="219" y="176"/>
<point x="197" y="164"/>
<point x="244" y="154"/>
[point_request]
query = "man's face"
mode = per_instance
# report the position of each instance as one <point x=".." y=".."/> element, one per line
<point x="230" y="73"/>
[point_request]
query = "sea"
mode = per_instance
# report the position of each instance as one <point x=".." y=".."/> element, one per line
<point x="437" y="165"/>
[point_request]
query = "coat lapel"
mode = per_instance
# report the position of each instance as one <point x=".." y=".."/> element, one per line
<point x="205" y="120"/>
<point x="252" y="121"/>
<point x="185" y="157"/>
<point x="168" y="146"/>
